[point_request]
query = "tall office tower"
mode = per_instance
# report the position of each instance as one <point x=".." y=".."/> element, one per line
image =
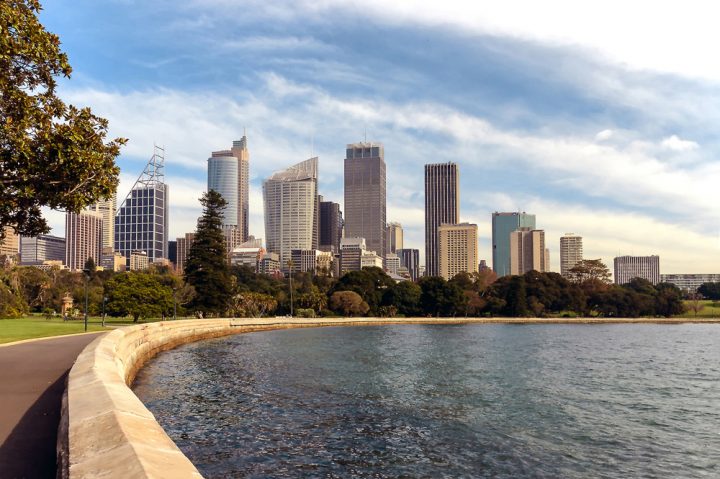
<point x="629" y="267"/>
<point x="392" y="263"/>
<point x="290" y="198"/>
<point x="36" y="249"/>
<point x="457" y="249"/>
<point x="527" y="251"/>
<point x="10" y="246"/>
<point x="183" y="247"/>
<point x="241" y="152"/>
<point x="410" y="259"/>
<point x="365" y="213"/>
<point x="141" y="223"/>
<point x="107" y="209"/>
<point x="502" y="225"/>
<point x="222" y="177"/>
<point x="83" y="238"/>
<point x="172" y="252"/>
<point x="351" y="251"/>
<point x="331" y="226"/>
<point x="571" y="252"/>
<point x="442" y="206"/>
<point x="394" y="239"/>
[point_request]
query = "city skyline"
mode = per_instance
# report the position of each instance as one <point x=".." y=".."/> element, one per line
<point x="589" y="139"/>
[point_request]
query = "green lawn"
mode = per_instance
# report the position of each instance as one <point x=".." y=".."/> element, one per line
<point x="39" y="327"/>
<point x="711" y="309"/>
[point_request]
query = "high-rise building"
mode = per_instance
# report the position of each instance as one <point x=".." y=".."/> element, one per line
<point x="457" y="249"/>
<point x="394" y="239"/>
<point x="139" y="261"/>
<point x="83" y="238"/>
<point x="410" y="259"/>
<point x="141" y="223"/>
<point x="10" y="245"/>
<point x="502" y="225"/>
<point x="183" y="248"/>
<point x="571" y="252"/>
<point x="351" y="251"/>
<point x="392" y="263"/>
<point x="107" y="209"/>
<point x="689" y="282"/>
<point x="36" y="249"/>
<point x="222" y="177"/>
<point x="331" y="226"/>
<point x="172" y="251"/>
<point x="629" y="267"/>
<point x="442" y="206"/>
<point x="241" y="152"/>
<point x="290" y="198"/>
<point x="527" y="251"/>
<point x="365" y="195"/>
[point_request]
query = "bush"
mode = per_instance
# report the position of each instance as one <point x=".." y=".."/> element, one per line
<point x="305" y="313"/>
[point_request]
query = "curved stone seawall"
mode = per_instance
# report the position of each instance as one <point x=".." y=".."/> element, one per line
<point x="107" y="432"/>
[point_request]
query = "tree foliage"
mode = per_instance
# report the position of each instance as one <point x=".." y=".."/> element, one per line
<point x="138" y="294"/>
<point x="710" y="290"/>
<point x="348" y="303"/>
<point x="51" y="154"/>
<point x="206" y="267"/>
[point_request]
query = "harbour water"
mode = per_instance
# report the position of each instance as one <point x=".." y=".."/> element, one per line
<point x="570" y="401"/>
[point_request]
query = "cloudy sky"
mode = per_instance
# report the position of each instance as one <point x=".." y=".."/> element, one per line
<point x="599" y="117"/>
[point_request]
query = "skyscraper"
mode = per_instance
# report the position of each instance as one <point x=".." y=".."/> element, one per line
<point x="629" y="267"/>
<point x="83" y="238"/>
<point x="107" y="209"/>
<point x="183" y="247"/>
<point x="241" y="152"/>
<point x="365" y="213"/>
<point x="394" y="239"/>
<point x="141" y="223"/>
<point x="442" y="205"/>
<point x="527" y="251"/>
<point x="331" y="226"/>
<point x="457" y="249"/>
<point x="502" y="225"/>
<point x="290" y="200"/>
<point x="36" y="249"/>
<point x="10" y="245"/>
<point x="571" y="252"/>
<point x="222" y="171"/>
<point x="410" y="259"/>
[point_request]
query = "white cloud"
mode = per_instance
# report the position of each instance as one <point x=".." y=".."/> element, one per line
<point x="603" y="135"/>
<point x="676" y="144"/>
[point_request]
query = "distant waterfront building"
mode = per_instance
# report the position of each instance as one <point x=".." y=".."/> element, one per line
<point x="270" y="264"/>
<point x="629" y="267"/>
<point x="351" y="251"/>
<point x="141" y="223"/>
<point x="442" y="206"/>
<point x="527" y="251"/>
<point x="394" y="240"/>
<point x="247" y="256"/>
<point x="410" y="259"/>
<point x="172" y="252"/>
<point x="392" y="263"/>
<point x="502" y="225"/>
<point x="571" y="252"/>
<point x="457" y="249"/>
<point x="113" y="260"/>
<point x="83" y="238"/>
<point x="304" y="260"/>
<point x="421" y="270"/>
<point x="483" y="266"/>
<point x="689" y="282"/>
<point x="370" y="259"/>
<point x="291" y="206"/>
<point x="365" y="194"/>
<point x="331" y="226"/>
<point x="183" y="248"/>
<point x="10" y="246"/>
<point x="35" y="250"/>
<point x="107" y="209"/>
<point x="241" y="152"/>
<point x="222" y="177"/>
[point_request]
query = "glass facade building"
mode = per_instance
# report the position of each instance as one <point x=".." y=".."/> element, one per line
<point x="502" y="225"/>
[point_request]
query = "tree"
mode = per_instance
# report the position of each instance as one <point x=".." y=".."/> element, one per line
<point x="405" y="296"/>
<point x="206" y="268"/>
<point x="51" y="154"/>
<point x="440" y="297"/>
<point x="710" y="290"/>
<point x="139" y="295"/>
<point x="348" y="303"/>
<point x="370" y="283"/>
<point x="593" y="270"/>
<point x="253" y="304"/>
<point x="695" y="304"/>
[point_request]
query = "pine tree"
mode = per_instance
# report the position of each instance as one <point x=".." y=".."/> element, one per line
<point x="206" y="267"/>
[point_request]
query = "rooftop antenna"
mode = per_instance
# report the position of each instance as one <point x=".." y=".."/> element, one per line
<point x="244" y="132"/>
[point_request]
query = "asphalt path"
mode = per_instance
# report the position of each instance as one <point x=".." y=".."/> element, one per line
<point x="32" y="382"/>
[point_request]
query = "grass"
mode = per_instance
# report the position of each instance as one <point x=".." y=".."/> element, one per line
<point x="31" y="327"/>
<point x="711" y="309"/>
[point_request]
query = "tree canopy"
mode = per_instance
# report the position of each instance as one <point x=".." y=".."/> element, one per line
<point x="51" y="154"/>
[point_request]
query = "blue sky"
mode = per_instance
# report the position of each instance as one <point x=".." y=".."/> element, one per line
<point x="600" y="120"/>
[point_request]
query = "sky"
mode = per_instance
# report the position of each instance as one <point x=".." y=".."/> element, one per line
<point x="601" y="118"/>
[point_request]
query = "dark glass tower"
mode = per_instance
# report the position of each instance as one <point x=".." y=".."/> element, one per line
<point x="442" y="206"/>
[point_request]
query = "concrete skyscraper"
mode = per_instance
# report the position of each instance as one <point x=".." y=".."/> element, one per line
<point x="141" y="223"/>
<point x="442" y="206"/>
<point x="502" y="225"/>
<point x="241" y="152"/>
<point x="107" y="209"/>
<point x="36" y="249"/>
<point x="365" y="195"/>
<point x="291" y="205"/>
<point x="83" y="238"/>
<point x="571" y="252"/>
<point x="331" y="226"/>
<point x="222" y="171"/>
<point x="410" y="259"/>
<point x="457" y="249"/>
<point x="527" y="251"/>
<point x="394" y="240"/>
<point x="629" y="267"/>
<point x="10" y="245"/>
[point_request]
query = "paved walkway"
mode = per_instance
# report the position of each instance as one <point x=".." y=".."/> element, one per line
<point x="32" y="382"/>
